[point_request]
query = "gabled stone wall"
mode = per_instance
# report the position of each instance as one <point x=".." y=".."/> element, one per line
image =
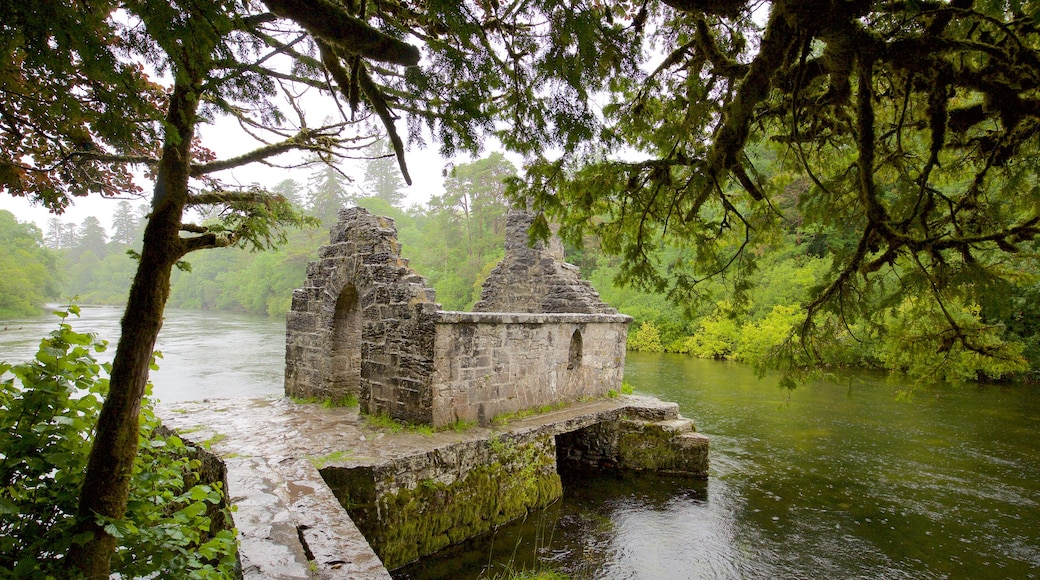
<point x="363" y="323"/>
<point x="534" y="278"/>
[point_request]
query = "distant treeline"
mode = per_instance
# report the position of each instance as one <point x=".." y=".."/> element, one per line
<point x="456" y="239"/>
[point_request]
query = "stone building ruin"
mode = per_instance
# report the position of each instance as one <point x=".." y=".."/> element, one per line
<point x="366" y="324"/>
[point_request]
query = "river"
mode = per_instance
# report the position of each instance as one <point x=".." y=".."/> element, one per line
<point x="836" y="479"/>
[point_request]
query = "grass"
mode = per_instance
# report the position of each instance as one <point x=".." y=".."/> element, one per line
<point x="334" y="457"/>
<point x="458" y="426"/>
<point x="506" y="418"/>
<point x="208" y="443"/>
<point x="349" y="400"/>
<point x="385" y="422"/>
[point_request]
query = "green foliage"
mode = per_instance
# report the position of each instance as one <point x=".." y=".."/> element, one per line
<point x="760" y="340"/>
<point x="917" y="341"/>
<point x="48" y="408"/>
<point x="645" y="338"/>
<point x="334" y="457"/>
<point x="717" y="336"/>
<point x="384" y="422"/>
<point x="28" y="271"/>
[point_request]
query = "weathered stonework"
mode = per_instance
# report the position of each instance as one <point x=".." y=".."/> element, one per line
<point x="541" y="338"/>
<point x="535" y="278"/>
<point x="424" y="503"/>
<point x="363" y="323"/>
<point x="492" y="364"/>
<point x="366" y="324"/>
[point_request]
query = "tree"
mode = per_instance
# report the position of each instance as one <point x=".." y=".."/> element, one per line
<point x="55" y="233"/>
<point x="30" y="270"/>
<point x="327" y="193"/>
<point x="911" y="128"/>
<point x="291" y="190"/>
<point x="124" y="224"/>
<point x="908" y="122"/>
<point x="382" y="179"/>
<point x="91" y="237"/>
<point x="464" y="229"/>
<point x="79" y="111"/>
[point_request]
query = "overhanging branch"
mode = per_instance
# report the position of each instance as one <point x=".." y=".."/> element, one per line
<point x="332" y="23"/>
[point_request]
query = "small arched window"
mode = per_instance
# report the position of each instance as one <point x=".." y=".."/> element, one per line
<point x="574" y="354"/>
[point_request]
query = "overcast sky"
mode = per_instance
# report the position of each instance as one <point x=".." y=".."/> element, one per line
<point x="424" y="165"/>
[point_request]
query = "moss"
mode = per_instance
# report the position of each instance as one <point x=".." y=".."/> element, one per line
<point x="217" y="438"/>
<point x="349" y="400"/>
<point x="334" y="457"/>
<point x="648" y="446"/>
<point x="410" y="523"/>
<point x="385" y="422"/>
<point x="458" y="426"/>
<point x="506" y="418"/>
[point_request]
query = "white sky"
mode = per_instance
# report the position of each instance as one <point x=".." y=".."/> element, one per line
<point x="424" y="165"/>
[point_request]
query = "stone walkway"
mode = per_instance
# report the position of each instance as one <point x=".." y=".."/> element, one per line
<point x="290" y="523"/>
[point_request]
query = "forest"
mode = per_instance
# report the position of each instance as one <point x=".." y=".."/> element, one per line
<point x="456" y="239"/>
<point x="801" y="184"/>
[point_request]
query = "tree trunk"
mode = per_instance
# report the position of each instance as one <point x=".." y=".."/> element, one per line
<point x="106" y="483"/>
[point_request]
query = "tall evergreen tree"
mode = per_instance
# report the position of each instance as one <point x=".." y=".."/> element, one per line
<point x="124" y="224"/>
<point x="291" y="190"/>
<point x="382" y="175"/>
<point x="55" y="233"/>
<point x="328" y="191"/>
<point x="91" y="237"/>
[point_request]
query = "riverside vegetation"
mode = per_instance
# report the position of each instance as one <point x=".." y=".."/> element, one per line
<point x="895" y="141"/>
<point x="456" y="239"/>
<point x="176" y="522"/>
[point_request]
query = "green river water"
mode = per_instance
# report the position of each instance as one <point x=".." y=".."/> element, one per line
<point x="837" y="479"/>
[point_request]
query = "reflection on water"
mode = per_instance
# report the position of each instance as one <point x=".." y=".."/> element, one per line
<point x="656" y="516"/>
<point x="839" y="479"/>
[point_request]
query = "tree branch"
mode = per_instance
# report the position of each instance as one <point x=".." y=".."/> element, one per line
<point x="300" y="141"/>
<point x="332" y="23"/>
<point x="375" y="98"/>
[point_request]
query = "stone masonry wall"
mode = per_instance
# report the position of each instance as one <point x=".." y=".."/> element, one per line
<point x="535" y="278"/>
<point x="363" y="323"/>
<point x="490" y="364"/>
<point x="366" y="324"/>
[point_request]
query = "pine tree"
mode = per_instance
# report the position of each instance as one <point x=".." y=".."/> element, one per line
<point x="327" y="193"/>
<point x="124" y="224"/>
<point x="91" y="237"/>
<point x="382" y="175"/>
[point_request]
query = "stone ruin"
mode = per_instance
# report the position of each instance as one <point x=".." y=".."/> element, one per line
<point x="365" y="324"/>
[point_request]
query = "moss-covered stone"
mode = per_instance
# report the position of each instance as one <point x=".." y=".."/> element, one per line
<point x="405" y="524"/>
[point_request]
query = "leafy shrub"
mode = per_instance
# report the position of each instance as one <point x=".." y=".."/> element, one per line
<point x="646" y="338"/>
<point x="760" y="340"/>
<point x="717" y="336"/>
<point x="48" y="408"/>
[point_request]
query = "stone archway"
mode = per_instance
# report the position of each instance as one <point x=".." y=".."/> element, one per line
<point x="363" y="323"/>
